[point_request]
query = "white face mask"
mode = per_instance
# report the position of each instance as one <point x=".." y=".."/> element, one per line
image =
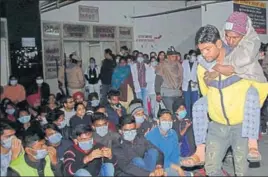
<point x="192" y="59"/>
<point x="140" y="59"/>
<point x="39" y="81"/>
<point x="13" y="82"/>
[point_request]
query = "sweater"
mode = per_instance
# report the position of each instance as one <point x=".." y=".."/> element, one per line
<point x="168" y="144"/>
<point x="14" y="93"/>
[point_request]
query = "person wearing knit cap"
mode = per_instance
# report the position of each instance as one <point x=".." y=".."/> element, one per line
<point x="142" y="121"/>
<point x="246" y="88"/>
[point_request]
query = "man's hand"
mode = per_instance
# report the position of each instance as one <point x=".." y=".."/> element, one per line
<point x="107" y="152"/>
<point x="188" y="124"/>
<point x="97" y="153"/>
<point x="119" y="112"/>
<point x="52" y="153"/>
<point x="16" y="148"/>
<point x="158" y="98"/>
<point x="178" y="169"/>
<point x="226" y="70"/>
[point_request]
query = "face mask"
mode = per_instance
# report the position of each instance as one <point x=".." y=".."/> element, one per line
<point x="24" y="119"/>
<point x="130" y="135"/>
<point x="40" y="154"/>
<point x="92" y="64"/>
<point x="192" y="59"/>
<point x="154" y="63"/>
<point x="10" y="111"/>
<point x="140" y="59"/>
<point x="7" y="143"/>
<point x="13" y="82"/>
<point x="95" y="103"/>
<point x="55" y="138"/>
<point x="102" y="131"/>
<point x="181" y="114"/>
<point x="166" y="125"/>
<point x="86" y="145"/>
<point x="62" y="124"/>
<point x="139" y="119"/>
<point x="39" y="81"/>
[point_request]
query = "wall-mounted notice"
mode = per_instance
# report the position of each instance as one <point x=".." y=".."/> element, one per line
<point x="51" y="30"/>
<point x="75" y="31"/>
<point x="28" y="42"/>
<point x="52" y="58"/>
<point x="125" y="33"/>
<point x="101" y="32"/>
<point x="256" y="10"/>
<point x="88" y="13"/>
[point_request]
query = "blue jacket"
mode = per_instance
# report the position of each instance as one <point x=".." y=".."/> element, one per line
<point x="112" y="114"/>
<point x="168" y="144"/>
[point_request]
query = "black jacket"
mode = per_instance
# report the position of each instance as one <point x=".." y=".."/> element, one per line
<point x="126" y="151"/>
<point x="107" y="70"/>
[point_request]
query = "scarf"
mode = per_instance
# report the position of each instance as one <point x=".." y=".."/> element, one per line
<point x="120" y="74"/>
<point x="171" y="73"/>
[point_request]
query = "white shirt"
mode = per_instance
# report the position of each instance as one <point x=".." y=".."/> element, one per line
<point x="68" y="115"/>
<point x="189" y="75"/>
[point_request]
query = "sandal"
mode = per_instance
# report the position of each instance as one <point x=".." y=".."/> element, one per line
<point x="254" y="155"/>
<point x="194" y="161"/>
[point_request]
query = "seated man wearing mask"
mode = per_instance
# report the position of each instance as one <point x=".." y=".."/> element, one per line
<point x="38" y="159"/>
<point x="240" y="45"/>
<point x="11" y="146"/>
<point x="136" y="156"/>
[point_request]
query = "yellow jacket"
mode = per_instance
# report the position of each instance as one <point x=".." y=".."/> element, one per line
<point x="233" y="98"/>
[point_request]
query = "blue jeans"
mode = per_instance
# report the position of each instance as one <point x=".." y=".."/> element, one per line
<point x="143" y="96"/>
<point x="148" y="162"/>
<point x="107" y="169"/>
<point x="190" y="98"/>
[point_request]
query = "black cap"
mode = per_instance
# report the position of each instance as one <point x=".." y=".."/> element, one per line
<point x="172" y="51"/>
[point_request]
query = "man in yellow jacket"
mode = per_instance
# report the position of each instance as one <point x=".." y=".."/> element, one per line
<point x="226" y="96"/>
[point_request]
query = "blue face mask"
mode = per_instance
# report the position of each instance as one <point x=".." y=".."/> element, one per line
<point x="24" y="119"/>
<point x="102" y="131"/>
<point x="40" y="154"/>
<point x="7" y="143"/>
<point x="55" y="138"/>
<point x="181" y="114"/>
<point x="166" y="125"/>
<point x="130" y="135"/>
<point x="139" y="119"/>
<point x="95" y="103"/>
<point x="86" y="145"/>
<point x="62" y="124"/>
<point x="10" y="111"/>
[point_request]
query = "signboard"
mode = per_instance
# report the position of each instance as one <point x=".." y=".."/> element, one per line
<point x="145" y="38"/>
<point x="107" y="32"/>
<point x="76" y="31"/>
<point x="51" y="30"/>
<point x="256" y="10"/>
<point x="28" y="42"/>
<point x="52" y="58"/>
<point x="125" y="33"/>
<point x="88" y="14"/>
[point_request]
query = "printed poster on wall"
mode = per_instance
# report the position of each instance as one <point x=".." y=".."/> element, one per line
<point x="125" y="33"/>
<point x="76" y="31"/>
<point x="88" y="14"/>
<point x="52" y="58"/>
<point x="101" y="32"/>
<point x="51" y="30"/>
<point x="256" y="10"/>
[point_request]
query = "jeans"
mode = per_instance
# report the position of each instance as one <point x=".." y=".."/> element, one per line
<point x="171" y="103"/>
<point x="190" y="98"/>
<point x="148" y="162"/>
<point x="219" y="139"/>
<point x="143" y="96"/>
<point x="104" y="90"/>
<point x="107" y="169"/>
<point x="152" y="98"/>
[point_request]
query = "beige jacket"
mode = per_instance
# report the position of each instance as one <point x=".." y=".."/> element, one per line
<point x="75" y="76"/>
<point x="244" y="57"/>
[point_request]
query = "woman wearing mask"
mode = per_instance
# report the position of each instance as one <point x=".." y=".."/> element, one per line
<point x="122" y="80"/>
<point x="161" y="57"/>
<point x="189" y="81"/>
<point x="14" y="91"/>
<point x="92" y="76"/>
<point x="9" y="109"/>
<point x="139" y="79"/>
<point x="38" y="93"/>
<point x="150" y="79"/>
